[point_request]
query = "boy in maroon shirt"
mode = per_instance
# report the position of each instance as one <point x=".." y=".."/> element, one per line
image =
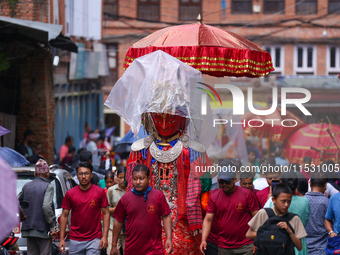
<point x="87" y="202"/>
<point x="233" y="206"/>
<point x="142" y="208"/>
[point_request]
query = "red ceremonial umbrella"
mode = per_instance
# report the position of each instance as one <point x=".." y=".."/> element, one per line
<point x="273" y="126"/>
<point x="318" y="141"/>
<point x="210" y="50"/>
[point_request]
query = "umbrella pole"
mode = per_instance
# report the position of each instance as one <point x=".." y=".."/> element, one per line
<point x="2" y="141"/>
<point x="336" y="157"/>
<point x="330" y="124"/>
<point x="333" y="140"/>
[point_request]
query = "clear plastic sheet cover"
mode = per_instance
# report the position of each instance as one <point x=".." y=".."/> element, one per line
<point x="158" y="82"/>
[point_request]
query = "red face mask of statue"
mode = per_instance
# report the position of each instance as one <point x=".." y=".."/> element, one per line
<point x="168" y="125"/>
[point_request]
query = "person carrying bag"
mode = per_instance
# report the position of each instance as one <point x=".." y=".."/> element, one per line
<point x="271" y="239"/>
<point x="276" y="230"/>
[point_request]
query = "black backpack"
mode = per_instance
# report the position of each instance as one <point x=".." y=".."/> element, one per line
<point x="271" y="239"/>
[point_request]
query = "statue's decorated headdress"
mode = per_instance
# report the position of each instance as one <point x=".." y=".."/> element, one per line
<point x="160" y="83"/>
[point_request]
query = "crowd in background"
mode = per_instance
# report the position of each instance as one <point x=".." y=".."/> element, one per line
<point x="314" y="195"/>
<point x="314" y="198"/>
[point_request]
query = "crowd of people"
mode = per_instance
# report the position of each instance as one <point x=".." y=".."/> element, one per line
<point x="310" y="197"/>
<point x="246" y="210"/>
<point x="109" y="182"/>
<point x="97" y="142"/>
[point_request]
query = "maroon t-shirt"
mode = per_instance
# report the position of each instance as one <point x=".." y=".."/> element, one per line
<point x="86" y="212"/>
<point x="262" y="196"/>
<point x="213" y="235"/>
<point x="255" y="191"/>
<point x="233" y="212"/>
<point x="143" y="222"/>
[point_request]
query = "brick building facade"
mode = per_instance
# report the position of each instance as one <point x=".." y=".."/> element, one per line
<point x="52" y="103"/>
<point x="37" y="108"/>
<point x="284" y="25"/>
<point x="34" y="10"/>
<point x="26" y="86"/>
<point x="301" y="36"/>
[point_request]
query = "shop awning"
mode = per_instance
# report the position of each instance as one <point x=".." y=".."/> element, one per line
<point x="37" y="31"/>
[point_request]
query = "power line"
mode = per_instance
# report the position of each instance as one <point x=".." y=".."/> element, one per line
<point x="240" y="25"/>
<point x="146" y="12"/>
<point x="160" y="14"/>
<point x="133" y="27"/>
<point x="334" y="24"/>
<point x="297" y="19"/>
<point x="271" y="23"/>
<point x="297" y="25"/>
<point x="276" y="13"/>
<point x="176" y="9"/>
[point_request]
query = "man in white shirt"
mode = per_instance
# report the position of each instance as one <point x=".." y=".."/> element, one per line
<point x="92" y="146"/>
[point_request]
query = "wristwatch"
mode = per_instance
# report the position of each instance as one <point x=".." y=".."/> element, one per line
<point x="330" y="232"/>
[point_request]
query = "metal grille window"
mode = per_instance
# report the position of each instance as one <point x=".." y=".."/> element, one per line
<point x="333" y="60"/>
<point x="241" y="6"/>
<point x="273" y="6"/>
<point x="305" y="59"/>
<point x="112" y="59"/>
<point x="148" y="10"/>
<point x="110" y="9"/>
<point x="189" y="9"/>
<point x="333" y="6"/>
<point x="306" y="7"/>
<point x="276" y="52"/>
